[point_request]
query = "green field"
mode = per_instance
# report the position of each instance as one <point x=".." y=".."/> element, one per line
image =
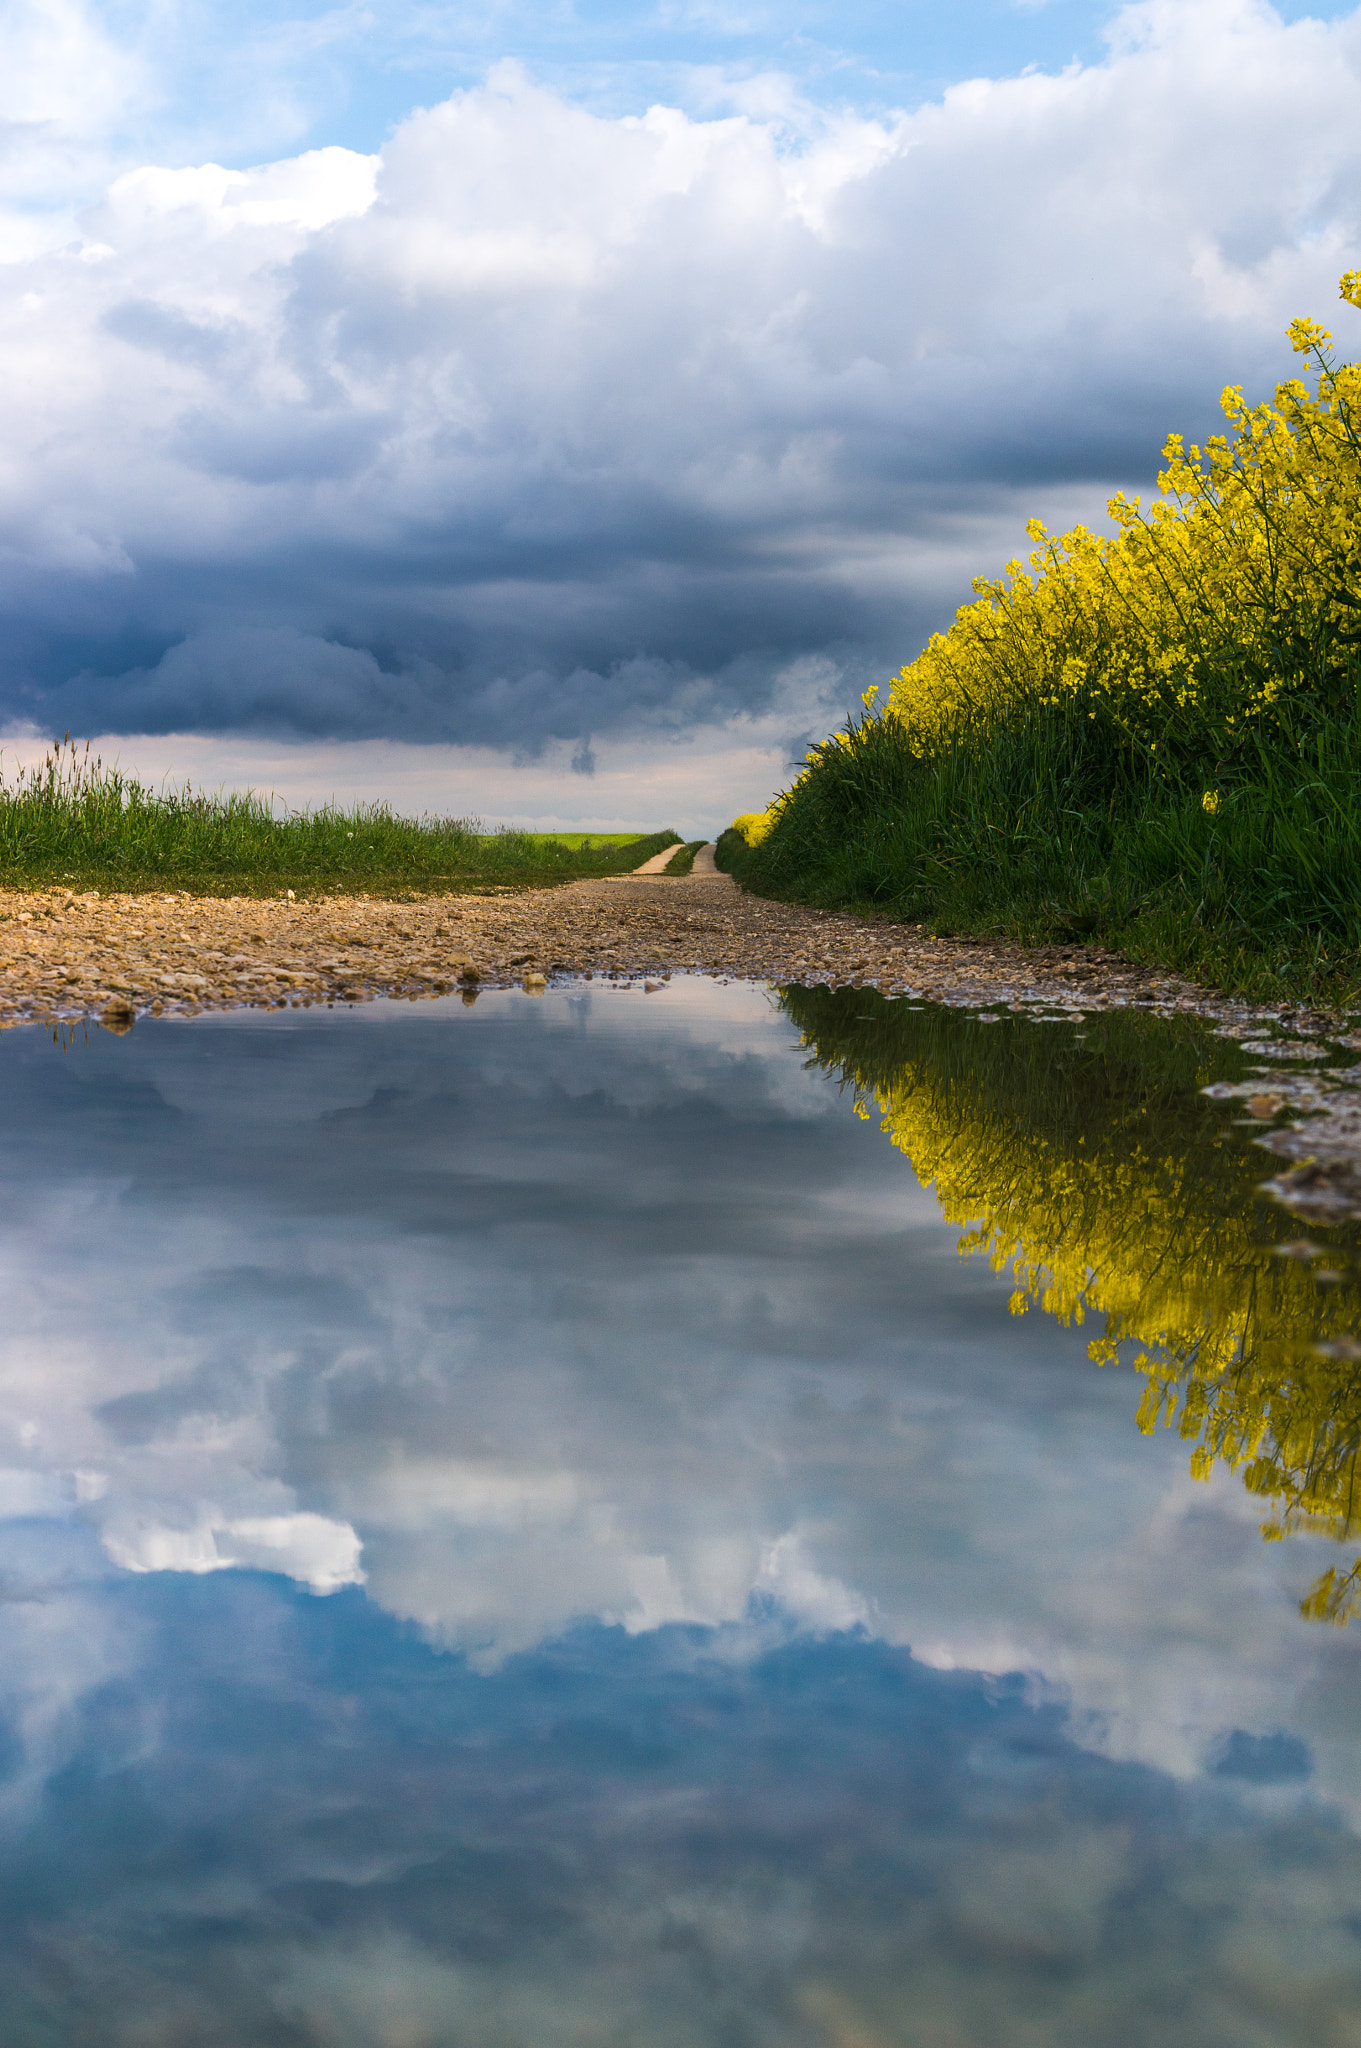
<point x="576" y="841"/>
<point x="72" y="820"/>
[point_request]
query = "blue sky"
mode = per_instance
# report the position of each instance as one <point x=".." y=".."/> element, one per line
<point x="611" y="386"/>
<point x="348" y="75"/>
<point x="245" y="78"/>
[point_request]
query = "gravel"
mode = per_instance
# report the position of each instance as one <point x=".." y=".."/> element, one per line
<point x="118" y="956"/>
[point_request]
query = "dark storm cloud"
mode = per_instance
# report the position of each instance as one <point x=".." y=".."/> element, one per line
<point x="544" y="425"/>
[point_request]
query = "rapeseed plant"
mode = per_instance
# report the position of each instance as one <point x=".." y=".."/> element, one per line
<point x="1164" y="721"/>
<point x="754" y="825"/>
<point x="1233" y="603"/>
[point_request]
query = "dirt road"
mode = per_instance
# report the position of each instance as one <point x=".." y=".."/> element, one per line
<point x="117" y="956"/>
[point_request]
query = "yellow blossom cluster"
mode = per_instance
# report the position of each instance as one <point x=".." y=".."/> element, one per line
<point x="1232" y="595"/>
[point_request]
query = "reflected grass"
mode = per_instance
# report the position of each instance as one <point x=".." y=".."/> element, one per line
<point x="1115" y="1193"/>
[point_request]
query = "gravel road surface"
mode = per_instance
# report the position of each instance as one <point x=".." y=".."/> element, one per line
<point x="64" y="955"/>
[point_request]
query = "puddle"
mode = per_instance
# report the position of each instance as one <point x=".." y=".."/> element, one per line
<point x="674" y="1518"/>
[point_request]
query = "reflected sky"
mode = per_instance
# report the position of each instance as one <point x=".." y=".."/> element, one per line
<point x="519" y="1526"/>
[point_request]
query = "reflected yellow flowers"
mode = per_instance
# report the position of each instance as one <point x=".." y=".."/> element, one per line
<point x="1115" y="1197"/>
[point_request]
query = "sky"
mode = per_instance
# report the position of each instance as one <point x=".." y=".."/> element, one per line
<point x="557" y="412"/>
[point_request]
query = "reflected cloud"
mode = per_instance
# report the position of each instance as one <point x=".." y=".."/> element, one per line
<point x="660" y="1838"/>
<point x="318" y="1553"/>
<point x="604" y="1309"/>
<point x="518" y="1525"/>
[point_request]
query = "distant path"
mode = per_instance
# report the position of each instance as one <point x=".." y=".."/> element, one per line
<point x="703" y="865"/>
<point x="63" y="957"/>
<point x="659" y="861"/>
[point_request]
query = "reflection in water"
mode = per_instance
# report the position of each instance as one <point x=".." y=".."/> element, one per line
<point x="517" y="1527"/>
<point x="1106" y="1185"/>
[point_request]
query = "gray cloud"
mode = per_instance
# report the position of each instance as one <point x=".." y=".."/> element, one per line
<point x="545" y="424"/>
<point x="281" y="446"/>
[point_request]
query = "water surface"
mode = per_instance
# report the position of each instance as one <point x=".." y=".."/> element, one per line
<point x="521" y="1526"/>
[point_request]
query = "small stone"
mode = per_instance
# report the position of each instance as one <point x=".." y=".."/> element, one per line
<point x="118" y="1016"/>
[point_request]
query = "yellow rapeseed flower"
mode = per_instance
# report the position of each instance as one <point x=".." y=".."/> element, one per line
<point x="1173" y="627"/>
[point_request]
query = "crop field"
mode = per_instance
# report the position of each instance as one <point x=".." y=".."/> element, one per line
<point x="1151" y="739"/>
<point x="576" y="842"/>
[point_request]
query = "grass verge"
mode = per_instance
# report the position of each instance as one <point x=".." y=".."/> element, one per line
<point x="73" y="820"/>
<point x="1050" y="832"/>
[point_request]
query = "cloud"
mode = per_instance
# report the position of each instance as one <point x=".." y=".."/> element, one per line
<point x="67" y="85"/>
<point x="549" y="427"/>
<point x="667" y="1417"/>
<point x="698" y="781"/>
<point x="320" y="1553"/>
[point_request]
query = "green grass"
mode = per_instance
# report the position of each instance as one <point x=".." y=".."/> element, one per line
<point x="71" y="820"/>
<point x="1053" y="830"/>
<point x="578" y="840"/>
